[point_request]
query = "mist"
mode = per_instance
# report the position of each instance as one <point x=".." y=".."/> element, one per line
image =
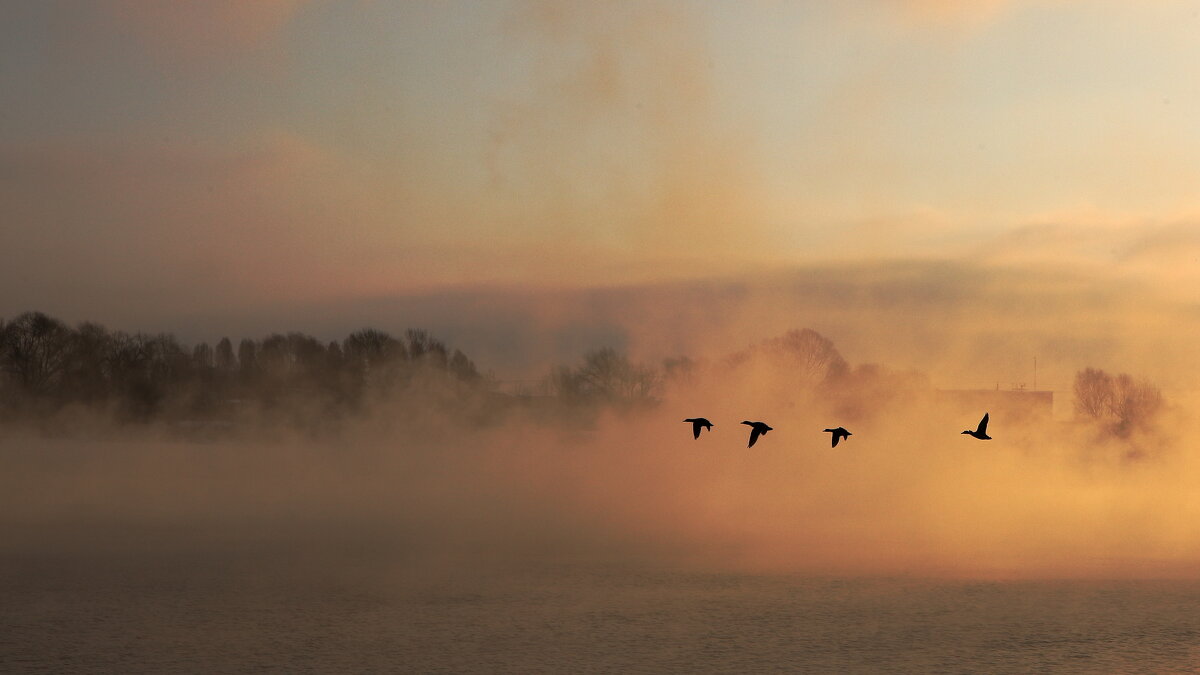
<point x="423" y="476"/>
<point x="360" y="336"/>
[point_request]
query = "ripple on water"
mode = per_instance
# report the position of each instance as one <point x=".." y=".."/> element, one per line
<point x="68" y="616"/>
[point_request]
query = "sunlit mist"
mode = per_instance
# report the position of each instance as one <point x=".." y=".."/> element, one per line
<point x="366" y="336"/>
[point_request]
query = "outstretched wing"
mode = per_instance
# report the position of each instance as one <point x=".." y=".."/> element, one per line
<point x="836" y="437"/>
<point x="754" y="434"/>
<point x="982" y="430"/>
<point x="696" y="429"/>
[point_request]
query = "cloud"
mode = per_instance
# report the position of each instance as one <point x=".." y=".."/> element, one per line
<point x="1159" y="252"/>
<point x="966" y="15"/>
<point x="965" y="321"/>
<point x="190" y="33"/>
<point x="170" y="225"/>
<point x="958" y="11"/>
<point x="613" y="136"/>
<point x="274" y="232"/>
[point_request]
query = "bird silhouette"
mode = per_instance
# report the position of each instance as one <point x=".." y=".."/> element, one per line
<point x="981" y="432"/>
<point x="697" y="423"/>
<point x="838" y="434"/>
<point x="756" y="429"/>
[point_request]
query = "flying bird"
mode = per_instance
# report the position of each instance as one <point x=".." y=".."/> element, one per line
<point x="697" y="424"/>
<point x="981" y="432"/>
<point x="756" y="429"/>
<point x="838" y="434"/>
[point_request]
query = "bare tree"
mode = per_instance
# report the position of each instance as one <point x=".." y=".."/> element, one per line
<point x="130" y="365"/>
<point x="334" y="358"/>
<point x="462" y="367"/>
<point x="148" y="376"/>
<point x="424" y="347"/>
<point x="1122" y="403"/>
<point x="1093" y="393"/>
<point x="86" y="375"/>
<point x="370" y="348"/>
<point x="202" y="356"/>
<point x="605" y="376"/>
<point x="223" y="357"/>
<point x="1134" y="403"/>
<point x="810" y="355"/>
<point x="34" y="349"/>
<point x="247" y="356"/>
<point x="275" y="360"/>
<point x="804" y="357"/>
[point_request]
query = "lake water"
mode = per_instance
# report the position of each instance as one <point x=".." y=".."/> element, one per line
<point x="227" y="610"/>
<point x="170" y="558"/>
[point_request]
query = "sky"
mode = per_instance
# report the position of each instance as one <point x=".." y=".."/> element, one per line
<point x="955" y="186"/>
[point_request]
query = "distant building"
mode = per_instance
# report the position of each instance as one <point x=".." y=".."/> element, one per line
<point x="1012" y="404"/>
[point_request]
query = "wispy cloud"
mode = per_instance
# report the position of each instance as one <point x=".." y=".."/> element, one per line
<point x="615" y="135"/>
<point x="191" y="34"/>
<point x="966" y="14"/>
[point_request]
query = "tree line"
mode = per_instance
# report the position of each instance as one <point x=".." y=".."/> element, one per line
<point x="46" y="365"/>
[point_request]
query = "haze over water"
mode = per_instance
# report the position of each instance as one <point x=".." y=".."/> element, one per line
<point x="600" y="220"/>
<point x="189" y="557"/>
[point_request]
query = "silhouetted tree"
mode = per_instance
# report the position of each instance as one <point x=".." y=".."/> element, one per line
<point x="807" y="354"/>
<point x="202" y="356"/>
<point x="438" y="356"/>
<point x="34" y="349"/>
<point x="275" y="359"/>
<point x="417" y="340"/>
<point x="1134" y="403"/>
<point x="462" y="367"/>
<point x="423" y="347"/>
<point x="294" y="359"/>
<point x="86" y="376"/>
<point x="369" y="358"/>
<point x="143" y="377"/>
<point x="369" y="348"/>
<point x="308" y="354"/>
<point x="1093" y="393"/>
<point x="170" y="363"/>
<point x="166" y="369"/>
<point x="247" y="357"/>
<point x="223" y="357"/>
<point x="130" y="366"/>
<point x="334" y="358"/>
<point x="605" y="376"/>
<point x="4" y="373"/>
<point x="335" y="377"/>
<point x="1121" y="402"/>
<point x="129" y="355"/>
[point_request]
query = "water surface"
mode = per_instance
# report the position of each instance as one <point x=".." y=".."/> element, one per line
<point x="308" y="611"/>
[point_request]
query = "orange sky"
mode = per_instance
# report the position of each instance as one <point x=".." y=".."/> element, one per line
<point x="1019" y="174"/>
